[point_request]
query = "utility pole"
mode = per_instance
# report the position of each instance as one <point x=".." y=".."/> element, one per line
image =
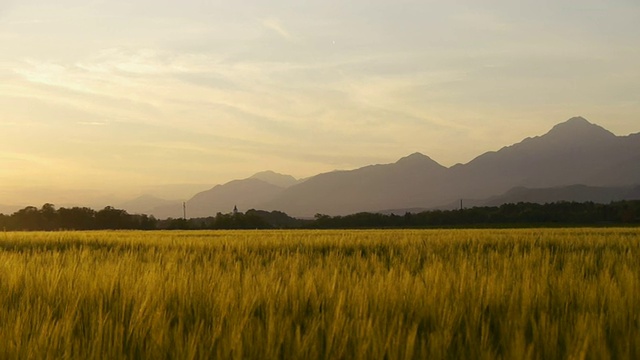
<point x="184" y="210"/>
<point x="460" y="204"/>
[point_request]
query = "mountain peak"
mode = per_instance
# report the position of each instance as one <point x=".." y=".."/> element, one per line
<point x="574" y="123"/>
<point x="579" y="127"/>
<point x="417" y="159"/>
<point x="578" y="120"/>
<point x="275" y="178"/>
<point x="266" y="173"/>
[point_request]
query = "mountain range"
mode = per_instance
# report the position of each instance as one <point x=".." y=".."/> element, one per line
<point x="575" y="161"/>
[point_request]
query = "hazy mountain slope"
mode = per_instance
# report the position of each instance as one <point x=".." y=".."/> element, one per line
<point x="145" y="204"/>
<point x="573" y="152"/>
<point x="250" y="193"/>
<point x="577" y="193"/>
<point x="274" y="178"/>
<point x="624" y="167"/>
<point x="245" y="194"/>
<point x="411" y="180"/>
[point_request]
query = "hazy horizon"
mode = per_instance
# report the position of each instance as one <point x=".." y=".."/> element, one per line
<point x="109" y="99"/>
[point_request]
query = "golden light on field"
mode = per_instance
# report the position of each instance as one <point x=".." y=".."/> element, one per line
<point x="403" y="294"/>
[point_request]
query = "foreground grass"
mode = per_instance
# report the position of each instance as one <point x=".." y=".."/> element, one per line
<point x="509" y="294"/>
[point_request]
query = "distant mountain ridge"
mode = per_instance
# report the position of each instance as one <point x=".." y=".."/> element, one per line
<point x="410" y="181"/>
<point x="274" y="178"/>
<point x="144" y="204"/>
<point x="573" y="153"/>
<point x="245" y="194"/>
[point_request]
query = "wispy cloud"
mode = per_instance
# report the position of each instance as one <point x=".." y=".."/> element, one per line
<point x="276" y="26"/>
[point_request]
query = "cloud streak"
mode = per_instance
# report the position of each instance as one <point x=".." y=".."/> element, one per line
<point x="276" y="26"/>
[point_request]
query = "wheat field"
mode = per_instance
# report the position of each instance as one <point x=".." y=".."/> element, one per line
<point x="370" y="294"/>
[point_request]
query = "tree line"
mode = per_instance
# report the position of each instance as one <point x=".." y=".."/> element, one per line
<point x="48" y="218"/>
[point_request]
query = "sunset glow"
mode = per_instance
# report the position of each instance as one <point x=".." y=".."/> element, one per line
<point x="103" y="100"/>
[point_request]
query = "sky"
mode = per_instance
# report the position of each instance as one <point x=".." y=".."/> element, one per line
<point x="112" y="99"/>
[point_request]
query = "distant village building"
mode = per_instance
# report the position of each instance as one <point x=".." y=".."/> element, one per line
<point x="235" y="210"/>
